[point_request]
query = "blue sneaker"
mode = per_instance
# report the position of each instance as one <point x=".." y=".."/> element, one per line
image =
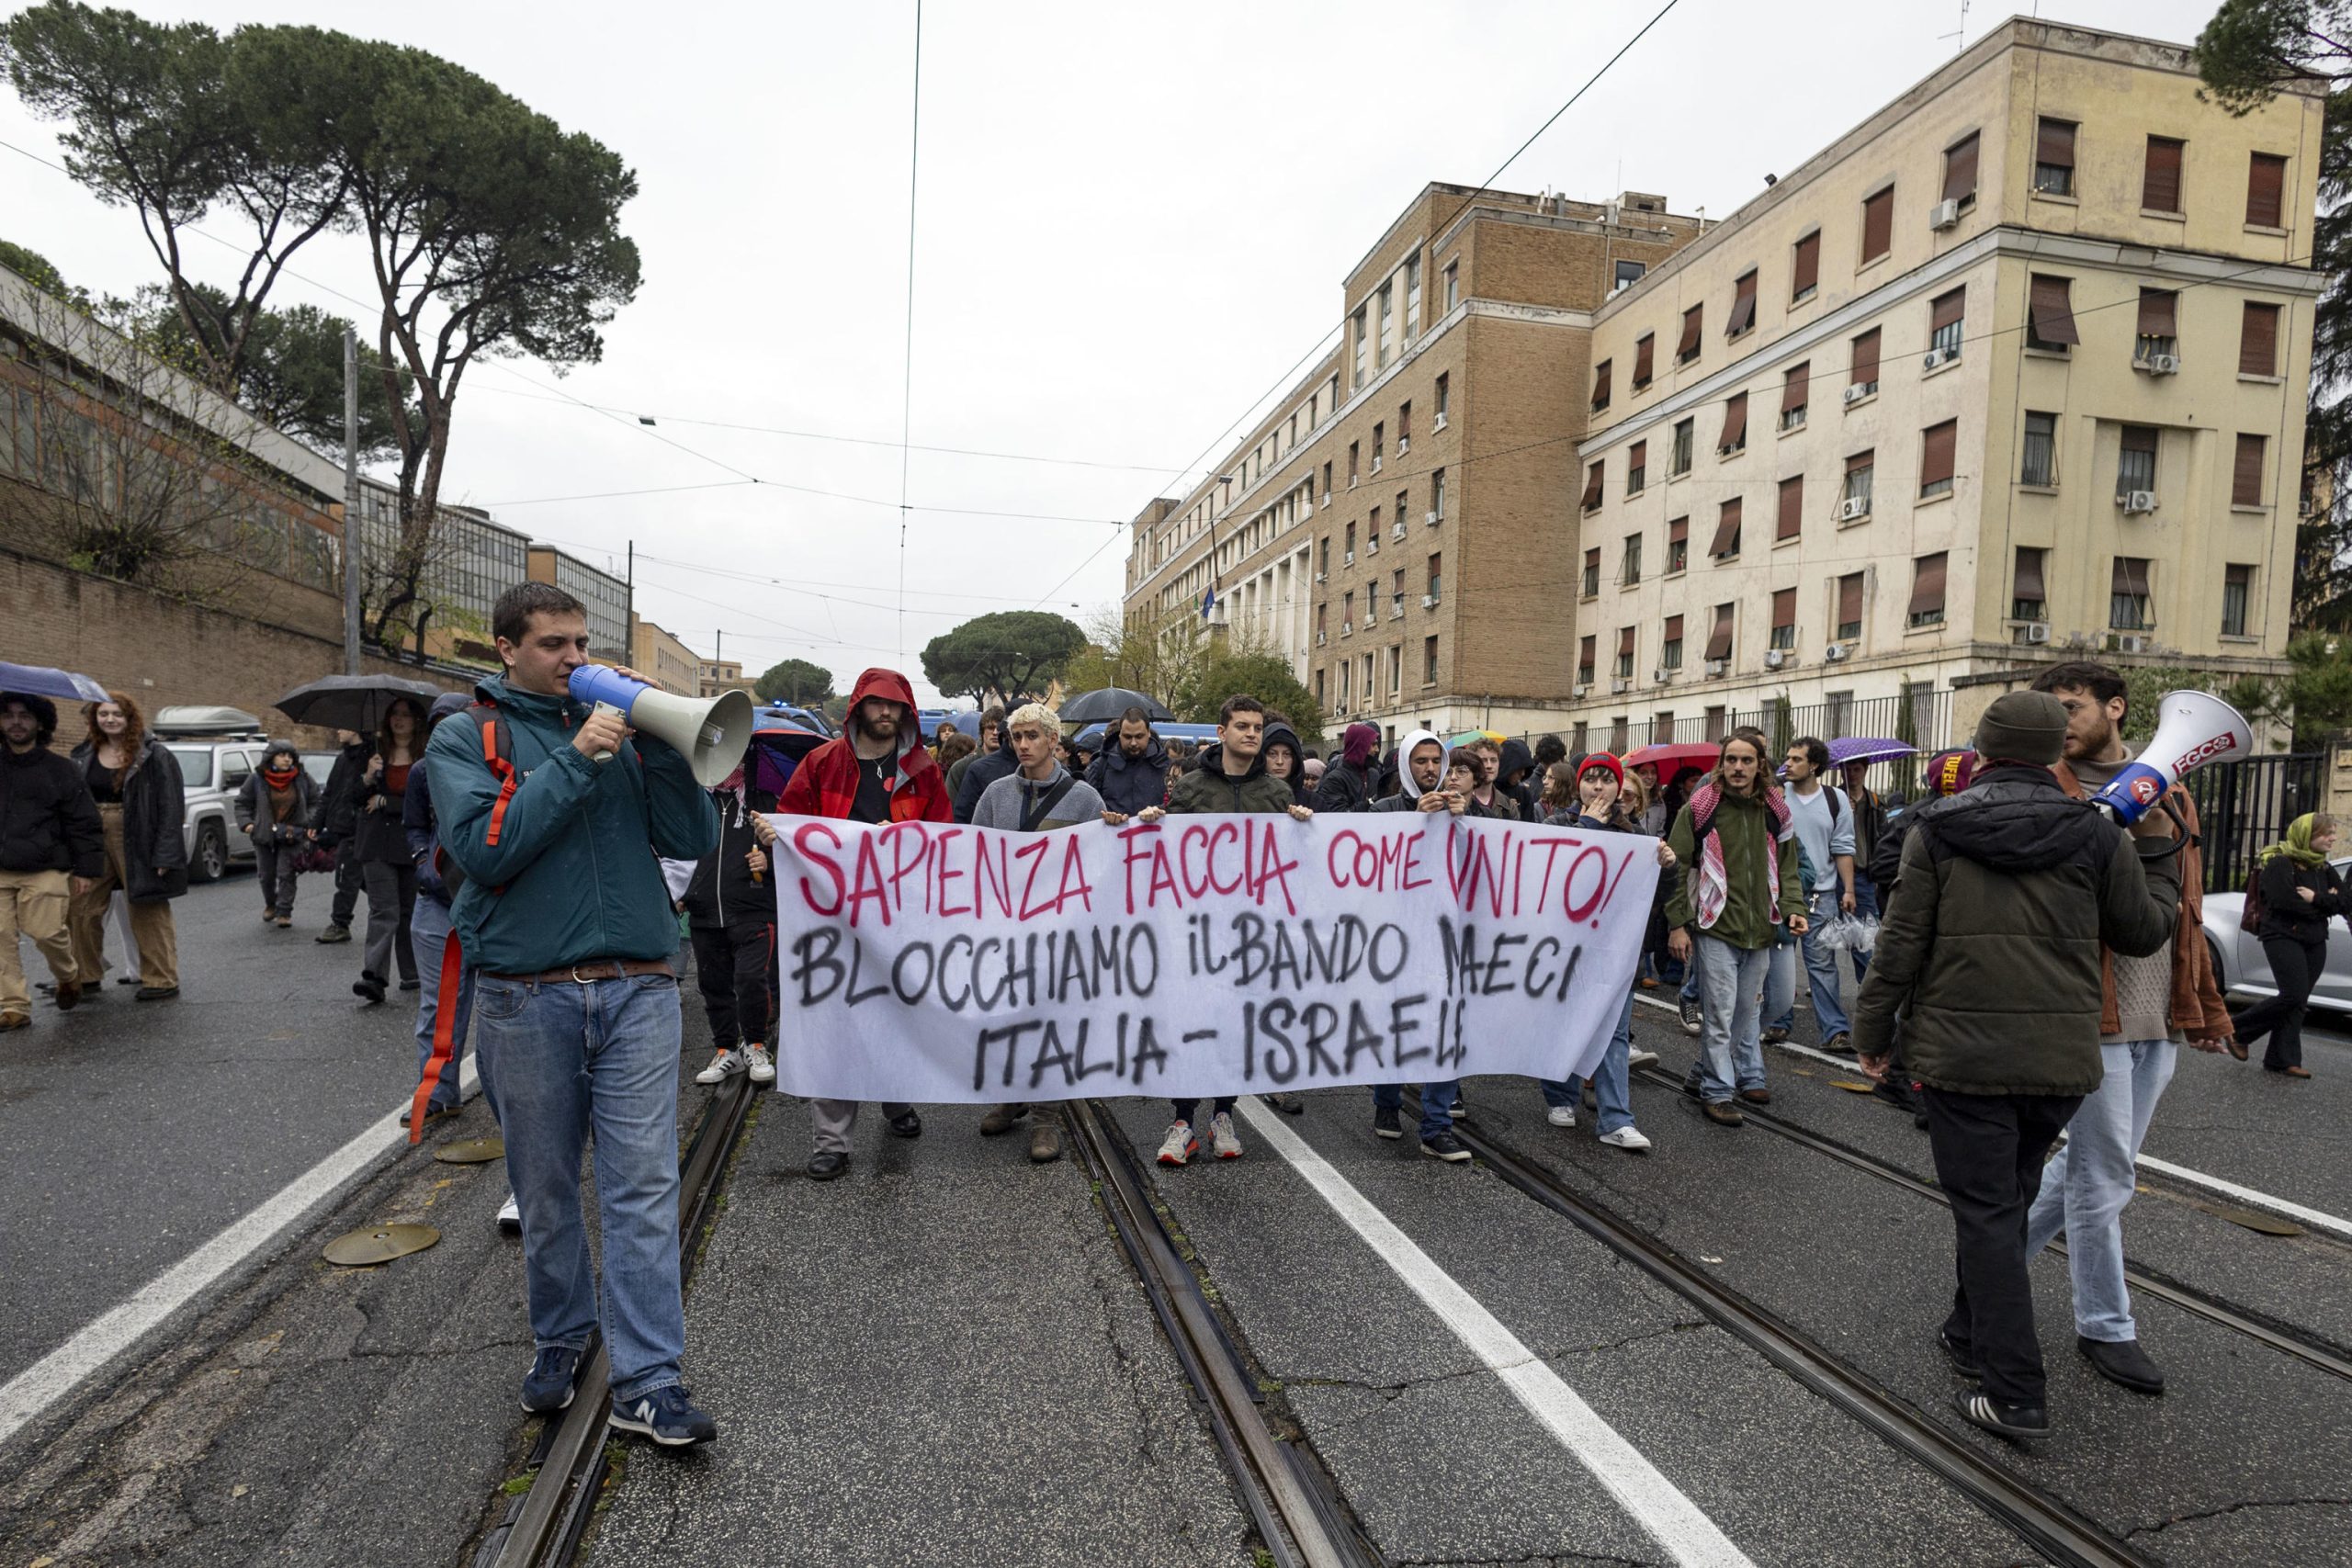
<point x="547" y="1388"/>
<point x="667" y="1416"/>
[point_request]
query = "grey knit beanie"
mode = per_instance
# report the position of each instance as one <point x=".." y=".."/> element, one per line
<point x="2023" y="727"/>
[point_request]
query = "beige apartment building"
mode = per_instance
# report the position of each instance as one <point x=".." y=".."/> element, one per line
<point x="2014" y="372"/>
<point x="661" y="658"/>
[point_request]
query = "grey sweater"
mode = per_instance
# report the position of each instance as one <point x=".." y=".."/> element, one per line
<point x="1004" y="803"/>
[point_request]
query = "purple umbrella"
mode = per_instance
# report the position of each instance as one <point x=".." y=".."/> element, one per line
<point x="41" y="681"/>
<point x="1861" y="749"/>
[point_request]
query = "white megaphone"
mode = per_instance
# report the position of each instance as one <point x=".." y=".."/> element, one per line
<point x="2192" y="729"/>
<point x="711" y="734"/>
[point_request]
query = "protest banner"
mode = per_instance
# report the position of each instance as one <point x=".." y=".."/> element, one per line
<point x="1197" y="955"/>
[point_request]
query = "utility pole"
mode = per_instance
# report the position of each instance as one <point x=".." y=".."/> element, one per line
<point x="351" y="551"/>
<point x="628" y="618"/>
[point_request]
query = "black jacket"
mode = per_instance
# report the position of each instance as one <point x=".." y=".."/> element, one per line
<point x="2284" y="913"/>
<point x="1886" y="849"/>
<point x="48" y="821"/>
<point x="722" y="892"/>
<point x="1517" y="759"/>
<point x="253" y="802"/>
<point x="1001" y="764"/>
<point x="1345" y="788"/>
<point x="1127" y="784"/>
<point x="154" y="818"/>
<point x="339" y="805"/>
<point x="379" y="835"/>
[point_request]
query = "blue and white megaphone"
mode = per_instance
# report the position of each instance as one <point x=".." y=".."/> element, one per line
<point x="710" y="733"/>
<point x="2192" y="729"/>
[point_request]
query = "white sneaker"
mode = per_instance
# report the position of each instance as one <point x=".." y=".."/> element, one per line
<point x="720" y="1065"/>
<point x="1561" y="1116"/>
<point x="1180" y="1145"/>
<point x="1628" y="1137"/>
<point x="1640" y="1060"/>
<point x="510" y="1214"/>
<point x="1222" y="1141"/>
<point x="763" y="1068"/>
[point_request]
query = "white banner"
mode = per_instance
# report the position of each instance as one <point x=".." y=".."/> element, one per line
<point x="1197" y="955"/>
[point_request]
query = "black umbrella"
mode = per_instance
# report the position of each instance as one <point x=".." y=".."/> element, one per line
<point x="353" y="702"/>
<point x="1106" y="706"/>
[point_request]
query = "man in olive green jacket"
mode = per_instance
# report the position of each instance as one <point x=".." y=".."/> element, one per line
<point x="1992" y="942"/>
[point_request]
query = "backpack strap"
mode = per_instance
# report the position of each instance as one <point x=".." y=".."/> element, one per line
<point x="494" y="754"/>
<point x="1035" y="816"/>
<point x="445" y="1035"/>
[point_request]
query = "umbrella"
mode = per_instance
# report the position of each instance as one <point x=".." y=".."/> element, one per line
<point x="41" y="681"/>
<point x="353" y="702"/>
<point x="1471" y="736"/>
<point x="1106" y="706"/>
<point x="777" y="750"/>
<point x="1670" y="758"/>
<point x="1861" y="749"/>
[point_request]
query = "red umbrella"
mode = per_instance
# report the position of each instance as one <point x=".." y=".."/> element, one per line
<point x="1672" y="757"/>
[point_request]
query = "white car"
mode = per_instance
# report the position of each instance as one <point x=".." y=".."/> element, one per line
<point x="2240" y="967"/>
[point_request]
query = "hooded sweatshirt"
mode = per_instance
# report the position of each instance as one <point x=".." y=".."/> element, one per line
<point x="1347" y="784"/>
<point x="827" y="781"/>
<point x="1127" y="784"/>
<point x="1410" y="798"/>
<point x="1517" y="759"/>
<point x="1206" y="789"/>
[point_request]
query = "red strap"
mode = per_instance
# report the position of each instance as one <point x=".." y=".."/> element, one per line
<point x="501" y="768"/>
<point x="445" y="1032"/>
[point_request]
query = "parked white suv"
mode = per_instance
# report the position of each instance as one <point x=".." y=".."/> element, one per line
<point x="217" y="749"/>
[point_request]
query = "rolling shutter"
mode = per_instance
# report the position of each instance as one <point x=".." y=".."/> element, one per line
<point x="2160" y="184"/>
<point x="1719" y="639"/>
<point x="1792" y="520"/>
<point x="1927" y="586"/>
<point x="1727" y="531"/>
<point x="1960" y="168"/>
<point x="1878" y="224"/>
<point x="2053" y="311"/>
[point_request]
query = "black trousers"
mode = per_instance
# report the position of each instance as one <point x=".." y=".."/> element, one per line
<point x="2295" y="967"/>
<point x="347" y="886"/>
<point x="735" y="968"/>
<point x="1989" y="1149"/>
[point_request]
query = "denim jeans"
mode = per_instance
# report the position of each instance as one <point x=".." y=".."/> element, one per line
<point x="2085" y="1186"/>
<point x="1437" y="1104"/>
<point x="1731" y="1056"/>
<point x="428" y="931"/>
<point x="1611" y="1086"/>
<point x="1821" y="974"/>
<point x="1865" y="908"/>
<point x="559" y="1059"/>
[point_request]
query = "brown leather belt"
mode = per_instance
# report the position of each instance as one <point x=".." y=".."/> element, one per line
<point x="593" y="969"/>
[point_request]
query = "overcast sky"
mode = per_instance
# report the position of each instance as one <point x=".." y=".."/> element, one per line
<point x="1131" y="222"/>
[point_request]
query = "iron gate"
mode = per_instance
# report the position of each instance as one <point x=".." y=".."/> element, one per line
<point x="2244" y="806"/>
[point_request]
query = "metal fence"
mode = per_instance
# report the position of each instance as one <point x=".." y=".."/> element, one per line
<point x="2245" y="806"/>
<point x="1920" y="717"/>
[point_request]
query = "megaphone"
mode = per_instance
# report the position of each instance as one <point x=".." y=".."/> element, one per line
<point x="2192" y="729"/>
<point x="710" y="733"/>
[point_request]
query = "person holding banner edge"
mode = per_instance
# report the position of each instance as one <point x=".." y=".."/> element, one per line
<point x="1422" y="769"/>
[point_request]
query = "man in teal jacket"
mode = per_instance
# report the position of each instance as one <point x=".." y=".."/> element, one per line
<point x="569" y="927"/>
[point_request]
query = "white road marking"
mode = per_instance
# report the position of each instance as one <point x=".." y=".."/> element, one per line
<point x="2318" y="1219"/>
<point x="40" y="1385"/>
<point x="1675" y="1522"/>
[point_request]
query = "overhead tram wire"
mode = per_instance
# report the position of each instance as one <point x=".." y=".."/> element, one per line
<point x="907" y="382"/>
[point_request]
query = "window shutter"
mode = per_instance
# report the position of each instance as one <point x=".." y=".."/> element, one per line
<point x="1878" y="224"/>
<point x="1784" y="607"/>
<point x="2028" y="577"/>
<point x="1693" y="320"/>
<point x="2159" y="315"/>
<point x="2160" y="185"/>
<point x="1625" y="643"/>
<point x="2265" y="191"/>
<point x="1592" y="478"/>
<point x="1727" y="531"/>
<point x="2053" y="312"/>
<point x="1719" y="639"/>
<point x="1639" y="458"/>
<point x="1849" y="599"/>
<point x="1928" y="585"/>
<point x="2245" y="478"/>
<point x="1791" y="522"/>
<point x="1960" y="168"/>
<point x="1644" y="351"/>
<point x="1949" y="309"/>
<point x="1679" y="531"/>
<point x="1861" y="460"/>
<point x="1674" y="629"/>
<point x="2258" y="341"/>
<point x="1600" y="386"/>
<point x="2054" y="143"/>
<point x="1584" y="657"/>
<point x="1936" y="446"/>
<point x="1743" y="305"/>
<point x="1795" y="388"/>
<point x="2131" y="576"/>
<point x="1807" y="275"/>
<point x="1866" y="358"/>
<point x="1734" y="423"/>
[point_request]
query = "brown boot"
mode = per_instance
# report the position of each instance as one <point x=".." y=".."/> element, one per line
<point x="1000" y="1119"/>
<point x="1045" y="1138"/>
<point x="14" y="1021"/>
<point x="1724" y="1113"/>
<point x="69" y="995"/>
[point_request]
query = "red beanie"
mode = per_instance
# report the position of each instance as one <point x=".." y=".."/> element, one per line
<point x="1604" y="762"/>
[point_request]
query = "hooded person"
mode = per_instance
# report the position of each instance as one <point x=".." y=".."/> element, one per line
<point x="981" y="770"/>
<point x="51" y="841"/>
<point x="730" y="919"/>
<point x="1285" y="757"/>
<point x="1516" y="763"/>
<point x="1132" y="772"/>
<point x="1421" y="769"/>
<point x="877" y="771"/>
<point x="1348" y="784"/>
<point x="275" y="810"/>
<point x="429" y="928"/>
<point x="337" y="818"/>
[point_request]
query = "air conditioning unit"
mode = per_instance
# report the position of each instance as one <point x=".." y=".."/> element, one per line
<point x="1438" y="424"/>
<point x="1376" y="462"/>
<point x="1403" y="445"/>
<point x="2037" y="631"/>
<point x="1306" y="510"/>
<point x="1939" y="357"/>
<point x="1943" y="215"/>
<point x="1348" y="558"/>
<point x="1322" y="637"/>
<point x="1579" y="690"/>
<point x="1347" y="628"/>
<point x="1834" y="653"/>
<point x="1432" y="518"/>
<point x="1619" y="289"/>
<point x="1429" y="601"/>
<point x="2126" y="642"/>
<point x="2137" y="501"/>
<point x="1397" y="608"/>
<point x="1850" y="510"/>
<point x="1322" y="577"/>
<point x="1399" y="530"/>
<point x="1661" y="675"/>
<point x="1717" y="666"/>
<point x="1775" y="658"/>
<point x="1619" y="687"/>
<point x="1858" y="391"/>
<point x="2163" y="365"/>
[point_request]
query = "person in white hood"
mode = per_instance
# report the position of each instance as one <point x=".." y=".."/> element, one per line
<point x="1422" y="766"/>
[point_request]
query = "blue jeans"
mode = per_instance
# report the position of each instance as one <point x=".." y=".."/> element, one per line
<point x="558" y="1060"/>
<point x="1437" y="1104"/>
<point x="428" y="931"/>
<point x="1821" y="974"/>
<point x="1865" y="905"/>
<point x="2086" y="1184"/>
<point x="1731" y="1056"/>
<point x="1611" y="1087"/>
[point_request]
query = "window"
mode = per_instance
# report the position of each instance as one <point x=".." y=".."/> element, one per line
<point x="1412" y="298"/>
<point x="2266" y="192"/>
<point x="1453" y="284"/>
<point x="2053" y="157"/>
<point x="1600" y="386"/>
<point x="1726" y="543"/>
<point x="1624" y="668"/>
<point x="2126" y="601"/>
<point x="1630" y="573"/>
<point x="1348" y="558"/>
<point x="1735" y="438"/>
<point x="1743" y="305"/>
<point x="1791" y="519"/>
<point x="1878" y="224"/>
<point x="1397" y="592"/>
<point x="1395" y="669"/>
<point x="1637" y="463"/>
<point x="1372" y="534"/>
<point x="2029" y="600"/>
<point x="1719" y="638"/>
<point x="1693" y="324"/>
<point x="1404" y="426"/>
<point x="1850" y="607"/>
<point x="1360" y="331"/>
<point x="1578" y="733"/>
<point x="1617" y="733"/>
<point x="1404" y="503"/>
<point x="1684" y="431"/>
<point x="1860" y="471"/>
<point x="1629" y="273"/>
<point x="1677" y="545"/>
<point x="2237" y="587"/>
<point x="1865" y="374"/>
<point x="2041" y="464"/>
<point x="1327" y="484"/>
<point x="1318" y="688"/>
<point x="1805" y="275"/>
<point x="2136" y="468"/>
<point x="2246" y="478"/>
<point x="1444" y="398"/>
<point x="1584" y="659"/>
<point x="2258" y="341"/>
<point x="1347" y="624"/>
<point x="1379" y="445"/>
<point x="2160" y="177"/>
<point x="1796" y="386"/>
<point x="1593" y="475"/>
<point x="1437" y="496"/>
<point x="1947" y="321"/>
<point x="2050" y="314"/>
<point x="1662" y="729"/>
<point x="1387" y="327"/>
<point x="1324" y="570"/>
<point x="2159" y="326"/>
<point x="1960" y="172"/>
<point x="1670" y="650"/>
<point x="1928" y="591"/>
<point x="1644" y="353"/>
<point x="1592" y="571"/>
<point x="1935" y="452"/>
<point x="1784" y="618"/>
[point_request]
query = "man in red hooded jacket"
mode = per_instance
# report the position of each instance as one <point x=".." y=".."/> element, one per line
<point x="877" y="771"/>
